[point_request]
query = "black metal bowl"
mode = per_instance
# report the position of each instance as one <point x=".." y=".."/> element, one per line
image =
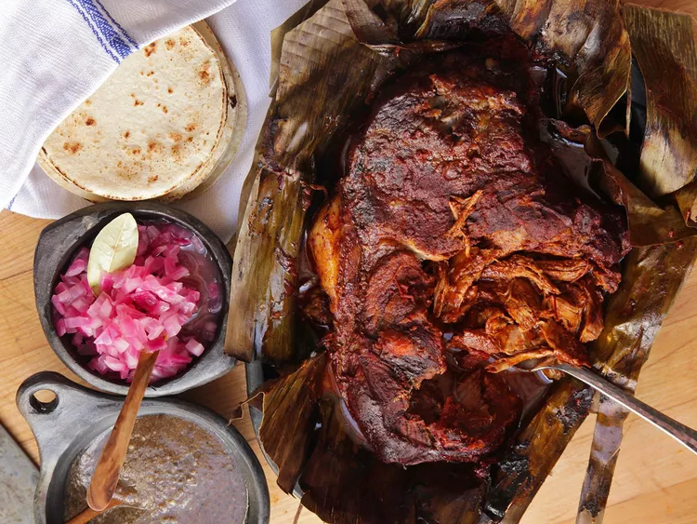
<point x="77" y="416"/>
<point x="60" y="241"/>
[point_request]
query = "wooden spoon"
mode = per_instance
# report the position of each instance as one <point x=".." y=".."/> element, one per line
<point x="106" y="474"/>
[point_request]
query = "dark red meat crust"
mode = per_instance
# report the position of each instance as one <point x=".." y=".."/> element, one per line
<point x="451" y="217"/>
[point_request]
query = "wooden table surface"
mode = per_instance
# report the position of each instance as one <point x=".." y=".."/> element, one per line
<point x="656" y="478"/>
<point x="655" y="481"/>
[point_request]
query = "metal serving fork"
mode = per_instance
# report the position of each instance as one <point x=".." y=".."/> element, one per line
<point x="683" y="434"/>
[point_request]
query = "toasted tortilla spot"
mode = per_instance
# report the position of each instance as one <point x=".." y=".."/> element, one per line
<point x="150" y="49"/>
<point x="89" y="121"/>
<point x="72" y="147"/>
<point x="170" y="43"/>
<point x="154" y="147"/>
<point x="204" y="74"/>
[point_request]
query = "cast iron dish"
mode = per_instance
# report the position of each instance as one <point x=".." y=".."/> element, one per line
<point x="60" y="241"/>
<point x="66" y="425"/>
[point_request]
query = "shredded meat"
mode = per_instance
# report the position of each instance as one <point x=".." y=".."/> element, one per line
<point x="452" y="218"/>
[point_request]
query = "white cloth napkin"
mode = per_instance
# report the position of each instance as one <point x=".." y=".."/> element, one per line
<point x="55" y="53"/>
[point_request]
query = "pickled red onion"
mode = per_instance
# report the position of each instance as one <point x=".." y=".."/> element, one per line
<point x="143" y="307"/>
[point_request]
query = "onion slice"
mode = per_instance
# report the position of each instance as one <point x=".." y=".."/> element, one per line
<point x="141" y="306"/>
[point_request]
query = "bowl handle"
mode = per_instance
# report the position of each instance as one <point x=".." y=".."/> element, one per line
<point x="56" y="423"/>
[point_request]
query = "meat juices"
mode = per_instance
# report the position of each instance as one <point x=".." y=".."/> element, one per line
<point x="452" y="217"/>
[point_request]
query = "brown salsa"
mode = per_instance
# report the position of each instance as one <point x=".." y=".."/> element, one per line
<point x="175" y="472"/>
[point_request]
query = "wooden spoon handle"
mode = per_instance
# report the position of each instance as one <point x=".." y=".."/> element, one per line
<point x="106" y="474"/>
<point x="89" y="513"/>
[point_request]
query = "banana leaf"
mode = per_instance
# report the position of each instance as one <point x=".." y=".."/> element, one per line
<point x="659" y="41"/>
<point x="663" y="46"/>
<point x="634" y="316"/>
<point x="648" y="223"/>
<point x="331" y="64"/>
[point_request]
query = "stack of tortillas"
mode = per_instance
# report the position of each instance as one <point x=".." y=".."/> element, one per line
<point x="166" y="123"/>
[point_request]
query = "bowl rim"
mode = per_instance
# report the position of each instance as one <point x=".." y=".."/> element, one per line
<point x="61" y="239"/>
<point x="77" y="415"/>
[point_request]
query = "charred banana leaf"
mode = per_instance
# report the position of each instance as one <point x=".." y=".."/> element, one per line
<point x="292" y="398"/>
<point x="308" y="439"/>
<point x="663" y="45"/>
<point x="634" y="316"/>
<point x="588" y="35"/>
<point x="330" y="66"/>
<point x="649" y="223"/>
<point x="323" y="73"/>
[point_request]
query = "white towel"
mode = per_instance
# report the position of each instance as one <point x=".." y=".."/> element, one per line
<point x="55" y="53"/>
